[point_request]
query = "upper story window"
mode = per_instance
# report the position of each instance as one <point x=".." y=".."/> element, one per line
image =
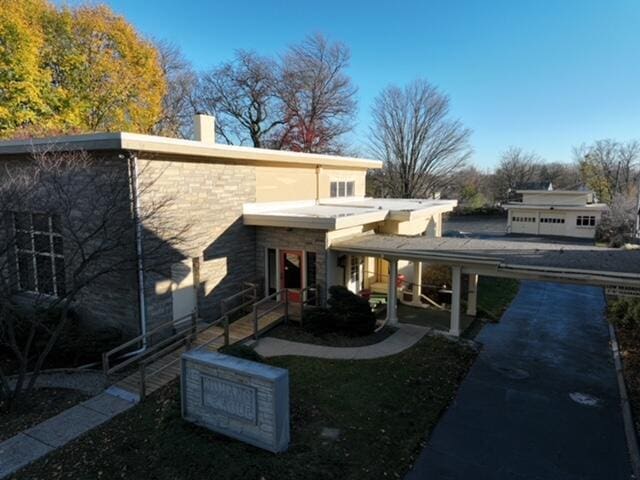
<point x="39" y="253"/>
<point x="343" y="189"/>
<point x="585" y="221"/>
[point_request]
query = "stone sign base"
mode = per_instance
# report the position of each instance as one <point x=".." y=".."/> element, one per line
<point x="245" y="400"/>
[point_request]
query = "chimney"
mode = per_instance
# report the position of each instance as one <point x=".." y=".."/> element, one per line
<point x="204" y="128"/>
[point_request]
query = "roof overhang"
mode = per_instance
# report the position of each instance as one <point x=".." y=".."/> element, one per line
<point x="336" y="214"/>
<point x="559" y="262"/>
<point x="157" y="145"/>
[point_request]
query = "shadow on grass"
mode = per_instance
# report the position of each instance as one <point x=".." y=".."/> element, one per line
<point x="383" y="409"/>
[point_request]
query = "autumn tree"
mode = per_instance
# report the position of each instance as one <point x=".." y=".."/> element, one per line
<point x="317" y="95"/>
<point x="78" y="69"/>
<point x="420" y="145"/>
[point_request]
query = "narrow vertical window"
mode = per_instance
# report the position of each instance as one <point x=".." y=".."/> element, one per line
<point x="271" y="271"/>
<point x="351" y="188"/>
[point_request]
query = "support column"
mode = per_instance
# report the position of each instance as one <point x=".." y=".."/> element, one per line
<point x="472" y="296"/>
<point x="392" y="297"/>
<point x="416" y="288"/>
<point x="454" y="326"/>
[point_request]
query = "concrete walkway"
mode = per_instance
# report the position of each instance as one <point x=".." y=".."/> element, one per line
<point x="406" y="336"/>
<point x="36" y="442"/>
<point x="541" y="400"/>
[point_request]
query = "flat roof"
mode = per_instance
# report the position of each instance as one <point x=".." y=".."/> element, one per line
<point x="334" y="214"/>
<point x="175" y="146"/>
<point x="560" y="207"/>
<point x="561" y="192"/>
<point x="560" y="258"/>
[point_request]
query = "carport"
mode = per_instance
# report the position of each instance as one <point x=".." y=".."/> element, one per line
<point x="554" y="261"/>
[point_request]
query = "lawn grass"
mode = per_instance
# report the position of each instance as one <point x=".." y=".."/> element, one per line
<point x="384" y="409"/>
<point x="495" y="295"/>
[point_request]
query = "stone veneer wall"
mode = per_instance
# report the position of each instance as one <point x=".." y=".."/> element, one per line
<point x="208" y="197"/>
<point x="293" y="239"/>
<point x="112" y="299"/>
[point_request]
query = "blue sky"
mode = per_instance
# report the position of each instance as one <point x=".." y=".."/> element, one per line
<point x="541" y="74"/>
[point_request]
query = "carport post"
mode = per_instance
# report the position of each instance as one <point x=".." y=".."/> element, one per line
<point x="454" y="327"/>
<point x="392" y="297"/>
<point x="416" y="288"/>
<point x="472" y="295"/>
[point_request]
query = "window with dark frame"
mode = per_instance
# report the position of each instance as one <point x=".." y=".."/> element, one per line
<point x="39" y="254"/>
<point x="585" y="221"/>
<point x="311" y="269"/>
<point x="272" y="277"/>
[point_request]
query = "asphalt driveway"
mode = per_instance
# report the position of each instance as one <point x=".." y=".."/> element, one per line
<point x="541" y="401"/>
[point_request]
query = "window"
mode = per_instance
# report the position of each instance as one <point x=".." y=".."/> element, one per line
<point x="39" y="254"/>
<point x="355" y="272"/>
<point x="272" y="282"/>
<point x="311" y="269"/>
<point x="585" y="221"/>
<point x="342" y="189"/>
<point x="551" y="220"/>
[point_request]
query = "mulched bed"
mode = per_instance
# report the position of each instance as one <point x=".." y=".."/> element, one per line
<point x="295" y="333"/>
<point x="629" y="340"/>
<point x="43" y="403"/>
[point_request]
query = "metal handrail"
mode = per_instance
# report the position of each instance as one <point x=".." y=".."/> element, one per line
<point x="139" y="338"/>
<point x="178" y="341"/>
<point x="163" y="326"/>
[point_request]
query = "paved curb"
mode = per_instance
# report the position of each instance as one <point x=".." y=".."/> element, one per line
<point x="627" y="416"/>
<point x="36" y="442"/>
<point x="406" y="336"/>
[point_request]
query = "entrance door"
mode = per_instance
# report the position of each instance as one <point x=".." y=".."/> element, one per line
<point x="291" y="273"/>
<point x="183" y="291"/>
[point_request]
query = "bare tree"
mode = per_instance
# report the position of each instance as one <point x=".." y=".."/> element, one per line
<point x="318" y="97"/>
<point x="177" y="103"/>
<point x="609" y="167"/>
<point x="420" y="145"/>
<point x="516" y="167"/>
<point x="69" y="223"/>
<point x="241" y="94"/>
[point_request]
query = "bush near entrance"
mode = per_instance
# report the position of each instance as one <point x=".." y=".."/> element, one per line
<point x="353" y="314"/>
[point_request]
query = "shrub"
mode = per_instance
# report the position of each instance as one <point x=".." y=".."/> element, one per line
<point x="318" y="320"/>
<point x="353" y="314"/>
<point x="241" y="351"/>
<point x="625" y="312"/>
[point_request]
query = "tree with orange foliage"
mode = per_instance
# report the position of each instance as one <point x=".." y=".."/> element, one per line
<point x="81" y="69"/>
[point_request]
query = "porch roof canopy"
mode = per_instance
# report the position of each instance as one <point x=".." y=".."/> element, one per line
<point x="527" y="258"/>
<point x="336" y="213"/>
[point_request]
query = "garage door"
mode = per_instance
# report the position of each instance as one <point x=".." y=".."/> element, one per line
<point x="524" y="224"/>
<point x="552" y="225"/>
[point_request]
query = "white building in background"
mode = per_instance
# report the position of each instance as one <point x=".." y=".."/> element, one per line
<point x="566" y="213"/>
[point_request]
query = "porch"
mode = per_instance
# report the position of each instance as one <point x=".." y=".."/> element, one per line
<point x="466" y="260"/>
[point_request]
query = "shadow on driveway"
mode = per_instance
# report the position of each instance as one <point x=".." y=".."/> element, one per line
<point x="541" y="401"/>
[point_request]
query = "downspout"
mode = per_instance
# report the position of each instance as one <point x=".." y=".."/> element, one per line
<point x="135" y="199"/>
<point x="318" y="170"/>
